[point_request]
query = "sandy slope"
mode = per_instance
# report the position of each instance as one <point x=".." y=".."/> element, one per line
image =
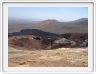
<point x="62" y="57"/>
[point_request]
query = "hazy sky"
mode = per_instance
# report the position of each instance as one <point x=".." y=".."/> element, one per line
<point x="43" y="13"/>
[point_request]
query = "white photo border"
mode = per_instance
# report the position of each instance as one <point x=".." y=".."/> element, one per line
<point x="1" y="37"/>
<point x="94" y="36"/>
<point x="47" y="1"/>
<point x="90" y="6"/>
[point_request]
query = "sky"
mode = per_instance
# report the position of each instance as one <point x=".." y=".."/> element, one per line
<point x="44" y="13"/>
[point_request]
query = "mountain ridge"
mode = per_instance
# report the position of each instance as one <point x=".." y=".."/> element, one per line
<point x="53" y="26"/>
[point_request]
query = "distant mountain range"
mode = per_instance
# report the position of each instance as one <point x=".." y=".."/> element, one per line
<point x="52" y="26"/>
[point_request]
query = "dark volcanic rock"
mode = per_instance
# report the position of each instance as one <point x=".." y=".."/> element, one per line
<point x="37" y="39"/>
<point x="35" y="32"/>
<point x="81" y="39"/>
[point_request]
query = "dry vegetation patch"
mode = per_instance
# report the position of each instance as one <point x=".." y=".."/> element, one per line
<point x="61" y="57"/>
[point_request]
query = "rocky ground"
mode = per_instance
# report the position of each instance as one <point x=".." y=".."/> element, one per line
<point x="60" y="57"/>
<point x="35" y="48"/>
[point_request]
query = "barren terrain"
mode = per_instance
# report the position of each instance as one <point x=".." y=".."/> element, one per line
<point x="61" y="57"/>
<point x="48" y="43"/>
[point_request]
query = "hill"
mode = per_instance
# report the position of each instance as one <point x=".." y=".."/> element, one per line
<point x="50" y="25"/>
